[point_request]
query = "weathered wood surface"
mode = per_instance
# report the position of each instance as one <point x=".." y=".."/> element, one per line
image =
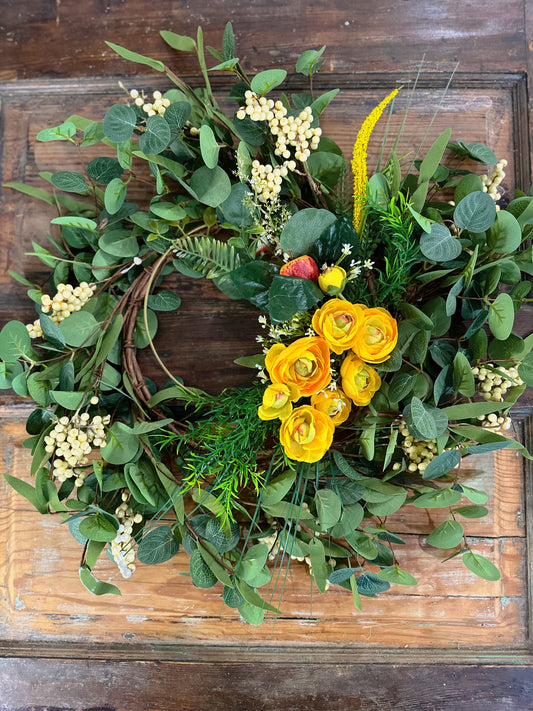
<point x="33" y="685"/>
<point x="65" y="39"/>
<point x="51" y="52"/>
<point x="43" y="600"/>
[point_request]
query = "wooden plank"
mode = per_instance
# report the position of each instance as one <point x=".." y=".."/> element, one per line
<point x="42" y="597"/>
<point x="147" y="686"/>
<point x="42" y="38"/>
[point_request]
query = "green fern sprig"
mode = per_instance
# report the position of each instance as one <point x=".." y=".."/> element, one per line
<point x="205" y="255"/>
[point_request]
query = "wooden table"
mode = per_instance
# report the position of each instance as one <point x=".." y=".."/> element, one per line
<point x="454" y="642"/>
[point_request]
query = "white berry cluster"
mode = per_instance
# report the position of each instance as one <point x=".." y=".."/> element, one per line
<point x="292" y="131"/>
<point x="418" y="452"/>
<point x="157" y="106"/>
<point x="491" y="182"/>
<point x="122" y="545"/>
<point x="495" y="422"/>
<point x="266" y="179"/>
<point x="495" y="381"/>
<point x="71" y="441"/>
<point x="66" y="301"/>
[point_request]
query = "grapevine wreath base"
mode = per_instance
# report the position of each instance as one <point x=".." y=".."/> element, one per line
<point x="387" y="351"/>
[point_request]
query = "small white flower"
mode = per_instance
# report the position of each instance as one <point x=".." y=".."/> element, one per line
<point x="346" y="248"/>
<point x="368" y="264"/>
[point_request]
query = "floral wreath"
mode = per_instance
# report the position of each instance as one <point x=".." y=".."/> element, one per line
<point x="388" y="351"/>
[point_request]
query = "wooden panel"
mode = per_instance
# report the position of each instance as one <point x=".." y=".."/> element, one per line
<point x="42" y="37"/>
<point x="264" y="686"/>
<point x="209" y="323"/>
<point x="43" y="600"/>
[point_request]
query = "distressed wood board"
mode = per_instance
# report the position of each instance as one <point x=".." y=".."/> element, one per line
<point x="43" y="600"/>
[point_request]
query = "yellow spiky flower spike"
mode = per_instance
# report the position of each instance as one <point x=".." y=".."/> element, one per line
<point x="359" y="168"/>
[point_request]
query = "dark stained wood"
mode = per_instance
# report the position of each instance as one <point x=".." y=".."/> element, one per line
<point x="261" y="686"/>
<point x="48" y="38"/>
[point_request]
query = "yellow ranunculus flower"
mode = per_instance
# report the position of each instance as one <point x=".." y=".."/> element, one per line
<point x="377" y="335"/>
<point x="333" y="403"/>
<point x="304" y="364"/>
<point x="277" y="401"/>
<point x="307" y="434"/>
<point x="332" y="280"/>
<point x="359" y="380"/>
<point x="338" y="322"/>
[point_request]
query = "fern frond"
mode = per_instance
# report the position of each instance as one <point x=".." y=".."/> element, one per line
<point x="206" y="256"/>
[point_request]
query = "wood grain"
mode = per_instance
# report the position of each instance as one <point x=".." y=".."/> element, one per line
<point x="53" y="54"/>
<point x="262" y="686"/>
<point x="42" y="39"/>
<point x="43" y="599"/>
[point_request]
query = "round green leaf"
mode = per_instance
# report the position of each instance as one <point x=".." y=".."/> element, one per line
<point x="68" y="400"/>
<point x="439" y="499"/>
<point x="164" y="301"/>
<point x="469" y="184"/>
<point x="177" y="115"/>
<point x="119" y="122"/>
<point x="480" y="566"/>
<point x="439" y="245"/>
<point x="476" y="212"/>
<point x="371" y="584"/>
<point x="424" y="421"/>
<point x="441" y="465"/>
<point x="98" y="528"/>
<point x="264" y="82"/>
<point x="328" y="506"/>
<point x="69" y="182"/>
<point x="525" y="369"/>
<point x="114" y="196"/>
<point x="276" y="489"/>
<point x="211" y="185"/>
<point x="119" y="243"/>
<point x="501" y="316"/>
<point x="80" y="329"/>
<point x="448" y="535"/>
<point x="95" y="586"/>
<point x="397" y="575"/>
<point x="209" y="147"/>
<point x="201" y="575"/>
<point x="121" y="445"/>
<point x="253" y="562"/>
<point x="505" y="235"/>
<point x="303" y="229"/>
<point x="157" y="546"/>
<point x="103" y="170"/>
<point x="15" y="341"/>
<point x="156" y="136"/>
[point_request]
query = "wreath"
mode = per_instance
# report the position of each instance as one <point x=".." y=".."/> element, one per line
<point x="387" y="351"/>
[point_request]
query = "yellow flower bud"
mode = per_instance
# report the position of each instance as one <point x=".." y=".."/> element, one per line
<point x="332" y="280"/>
